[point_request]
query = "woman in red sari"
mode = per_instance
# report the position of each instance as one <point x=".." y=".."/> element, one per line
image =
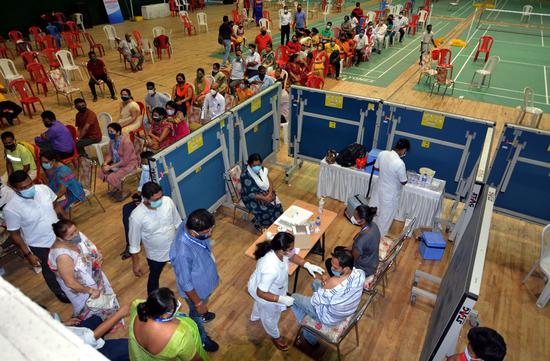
<point x="295" y="69"/>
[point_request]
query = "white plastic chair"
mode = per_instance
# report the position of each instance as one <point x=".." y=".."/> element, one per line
<point x="66" y="60"/>
<point x="79" y="20"/>
<point x="182" y="5"/>
<point x="544" y="263"/>
<point x="161" y="30"/>
<point x="110" y="34"/>
<point x="526" y="12"/>
<point x="246" y="19"/>
<point x="104" y="120"/>
<point x="146" y="48"/>
<point x="264" y="23"/>
<point x="371" y="15"/>
<point x="392" y="10"/>
<point x="486" y="72"/>
<point x="8" y="71"/>
<point x="202" y="21"/>
<point x="423" y="18"/>
<point x="326" y="11"/>
<point x="454" y="4"/>
<point x="397" y="8"/>
<point x="529" y="108"/>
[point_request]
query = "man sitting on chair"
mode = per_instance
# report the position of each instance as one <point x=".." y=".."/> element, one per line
<point x="334" y="298"/>
<point x="57" y="138"/>
<point x="98" y="74"/>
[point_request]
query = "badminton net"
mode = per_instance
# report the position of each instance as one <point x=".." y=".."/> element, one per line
<point x="519" y="22"/>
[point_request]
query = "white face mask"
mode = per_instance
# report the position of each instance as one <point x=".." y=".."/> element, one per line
<point x="170" y="111"/>
<point x="354" y="220"/>
<point x="150" y="91"/>
<point x="213" y="92"/>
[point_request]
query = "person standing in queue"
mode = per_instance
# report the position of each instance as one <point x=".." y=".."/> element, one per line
<point x="391" y="179"/>
<point x="268" y="285"/>
<point x="195" y="268"/>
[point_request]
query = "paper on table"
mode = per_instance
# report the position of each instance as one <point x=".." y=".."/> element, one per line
<point x="294" y="215"/>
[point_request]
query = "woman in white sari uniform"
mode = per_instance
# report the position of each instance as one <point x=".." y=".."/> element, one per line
<point x="268" y="285"/>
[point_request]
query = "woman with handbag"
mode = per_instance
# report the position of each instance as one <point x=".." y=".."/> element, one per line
<point x="76" y="262"/>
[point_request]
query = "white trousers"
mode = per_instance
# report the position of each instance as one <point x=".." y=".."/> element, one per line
<point x="269" y="314"/>
<point x="385" y="215"/>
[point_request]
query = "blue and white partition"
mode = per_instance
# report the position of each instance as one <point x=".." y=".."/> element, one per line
<point x="450" y="144"/>
<point x="521" y="173"/>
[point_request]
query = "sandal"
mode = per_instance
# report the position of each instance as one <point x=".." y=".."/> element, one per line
<point x="280" y="343"/>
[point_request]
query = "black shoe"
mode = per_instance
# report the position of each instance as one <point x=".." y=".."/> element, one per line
<point x="208" y="316"/>
<point x="210" y="345"/>
<point x="94" y="99"/>
<point x="125" y="255"/>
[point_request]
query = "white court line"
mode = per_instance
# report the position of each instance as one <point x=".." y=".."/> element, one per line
<point x="516" y="43"/>
<point x="502" y="89"/>
<point x="541" y="33"/>
<point x="514" y="62"/>
<point x="546" y="84"/>
<point x="469" y="56"/>
<point x="461" y="9"/>
<point x="495" y="95"/>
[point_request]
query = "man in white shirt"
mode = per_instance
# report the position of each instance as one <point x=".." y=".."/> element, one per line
<point x="153" y="99"/>
<point x="29" y="216"/>
<point x="379" y="34"/>
<point x="154" y="223"/>
<point x="426" y="42"/>
<point x="391" y="179"/>
<point x="238" y="67"/>
<point x="253" y="61"/>
<point x="360" y="43"/>
<point x="400" y="25"/>
<point x="129" y="51"/>
<point x="262" y="79"/>
<point x="334" y="298"/>
<point x="285" y="19"/>
<point x="214" y="104"/>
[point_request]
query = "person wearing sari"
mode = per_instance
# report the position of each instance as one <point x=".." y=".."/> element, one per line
<point x="120" y="161"/>
<point x="61" y="180"/>
<point x="181" y="127"/>
<point x="129" y="111"/>
<point x="258" y="10"/>
<point x="346" y="47"/>
<point x="183" y="94"/>
<point x="315" y="37"/>
<point x="202" y="87"/>
<point x="162" y="133"/>
<point x="158" y="332"/>
<point x="237" y="37"/>
<point x="258" y="194"/>
<point x="76" y="262"/>
<point x="320" y="58"/>
<point x="268" y="58"/>
<point x="295" y="70"/>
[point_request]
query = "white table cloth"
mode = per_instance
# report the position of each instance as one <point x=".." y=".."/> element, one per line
<point x="416" y="201"/>
<point x="154" y="11"/>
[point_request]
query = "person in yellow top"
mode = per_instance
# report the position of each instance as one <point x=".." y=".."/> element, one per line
<point x="18" y="157"/>
<point x="9" y="111"/>
<point x="158" y="332"/>
<point x="333" y="52"/>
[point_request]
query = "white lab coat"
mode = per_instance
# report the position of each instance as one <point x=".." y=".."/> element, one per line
<point x="388" y="188"/>
<point x="271" y="275"/>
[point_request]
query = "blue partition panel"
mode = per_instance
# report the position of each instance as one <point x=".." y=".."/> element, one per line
<point x="521" y="173"/>
<point x="438" y="140"/>
<point x="321" y="129"/>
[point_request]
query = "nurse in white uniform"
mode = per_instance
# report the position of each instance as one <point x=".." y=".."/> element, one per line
<point x="391" y="179"/>
<point x="268" y="285"/>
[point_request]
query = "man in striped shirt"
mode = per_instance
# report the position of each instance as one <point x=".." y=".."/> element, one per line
<point x="335" y="298"/>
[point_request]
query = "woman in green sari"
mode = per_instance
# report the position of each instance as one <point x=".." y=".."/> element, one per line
<point x="158" y="332"/>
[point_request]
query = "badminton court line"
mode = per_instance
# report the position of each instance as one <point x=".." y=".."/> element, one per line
<point x="546" y="84"/>
<point x="501" y="89"/>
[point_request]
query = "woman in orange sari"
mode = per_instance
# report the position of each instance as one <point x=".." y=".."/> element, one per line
<point x="346" y="48"/>
<point x="320" y="58"/>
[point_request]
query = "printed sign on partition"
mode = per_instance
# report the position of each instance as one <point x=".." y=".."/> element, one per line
<point x="370" y="106"/>
<point x="255" y="104"/>
<point x="195" y="143"/>
<point x="433" y="120"/>
<point x="332" y="125"/>
<point x="334" y="101"/>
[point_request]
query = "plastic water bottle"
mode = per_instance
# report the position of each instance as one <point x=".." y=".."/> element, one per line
<point x="424" y="180"/>
<point x="321" y="205"/>
<point x="318" y="224"/>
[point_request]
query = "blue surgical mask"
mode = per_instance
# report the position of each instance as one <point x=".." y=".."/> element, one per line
<point x="47" y="166"/>
<point x="155" y="204"/>
<point x="334" y="272"/>
<point x="28" y="193"/>
<point x="75" y="240"/>
<point x="111" y="136"/>
<point x="256" y="168"/>
<point x="124" y="98"/>
<point x="202" y="237"/>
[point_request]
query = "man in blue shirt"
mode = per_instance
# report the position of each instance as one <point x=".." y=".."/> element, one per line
<point x="263" y="80"/>
<point x="195" y="267"/>
<point x="299" y="21"/>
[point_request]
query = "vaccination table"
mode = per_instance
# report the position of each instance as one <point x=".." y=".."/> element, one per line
<point x="424" y="203"/>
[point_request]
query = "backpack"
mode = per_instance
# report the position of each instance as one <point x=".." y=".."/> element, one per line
<point x="348" y="155"/>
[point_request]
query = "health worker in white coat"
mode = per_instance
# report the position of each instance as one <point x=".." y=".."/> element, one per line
<point x="391" y="179"/>
<point x="268" y="285"/>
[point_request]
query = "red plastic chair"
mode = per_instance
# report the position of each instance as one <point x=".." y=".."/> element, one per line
<point x="266" y="15"/>
<point x="163" y="43"/>
<point x="72" y="44"/>
<point x="50" y="42"/>
<point x="59" y="17"/>
<point x="74" y="157"/>
<point x="49" y="54"/>
<point x="36" y="33"/>
<point x="445" y="57"/>
<point x="315" y="82"/>
<point x="379" y="15"/>
<point x="484" y="45"/>
<point x="435" y="54"/>
<point x="413" y="24"/>
<point x="73" y="29"/>
<point x="236" y="16"/>
<point x="137" y="36"/>
<point x="26" y="95"/>
<point x="39" y="76"/>
<point x="281" y="56"/>
<point x="187" y="24"/>
<point x="94" y="45"/>
<point x="28" y="57"/>
<point x="36" y="155"/>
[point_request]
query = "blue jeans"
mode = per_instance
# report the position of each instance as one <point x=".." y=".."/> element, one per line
<point x="302" y="307"/>
<point x="227" y="45"/>
<point x="114" y="349"/>
<point x="195" y="316"/>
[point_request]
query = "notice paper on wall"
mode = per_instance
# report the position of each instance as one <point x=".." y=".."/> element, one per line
<point x="334" y="101"/>
<point x="195" y="143"/>
<point x="433" y="120"/>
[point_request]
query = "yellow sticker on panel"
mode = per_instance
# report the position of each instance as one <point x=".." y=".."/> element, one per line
<point x="198" y="169"/>
<point x="256" y="104"/>
<point x="255" y="129"/>
<point x="195" y="143"/>
<point x="370" y="106"/>
<point x="332" y="125"/>
<point x="433" y="120"/>
<point x="425" y="144"/>
<point x="222" y="123"/>
<point x="548" y="149"/>
<point x="334" y="101"/>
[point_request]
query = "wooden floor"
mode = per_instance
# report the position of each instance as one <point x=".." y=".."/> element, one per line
<point x="396" y="331"/>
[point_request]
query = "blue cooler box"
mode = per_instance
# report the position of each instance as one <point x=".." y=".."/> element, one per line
<point x="432" y="245"/>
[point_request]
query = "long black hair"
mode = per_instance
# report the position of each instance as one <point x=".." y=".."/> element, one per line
<point x="159" y="302"/>
<point x="282" y="240"/>
<point x="366" y="213"/>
